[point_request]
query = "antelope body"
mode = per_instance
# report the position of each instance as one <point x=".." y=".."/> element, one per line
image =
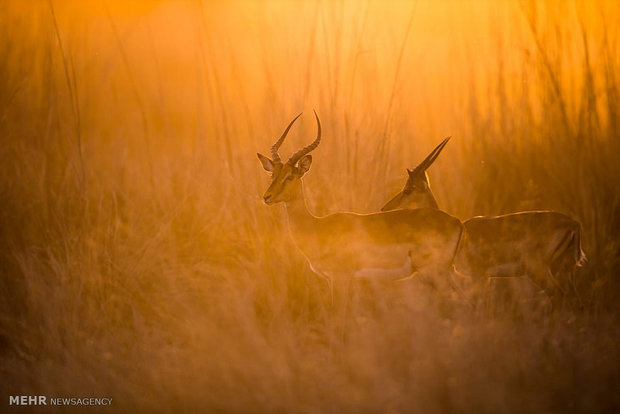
<point x="543" y="245"/>
<point x="385" y="245"/>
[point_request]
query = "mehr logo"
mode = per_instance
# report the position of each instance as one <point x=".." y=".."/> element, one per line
<point x="27" y="400"/>
<point x="43" y="400"/>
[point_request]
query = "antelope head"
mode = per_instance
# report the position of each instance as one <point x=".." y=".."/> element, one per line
<point x="286" y="177"/>
<point x="417" y="191"/>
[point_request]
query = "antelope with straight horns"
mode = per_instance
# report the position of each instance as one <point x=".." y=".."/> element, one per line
<point x="381" y="246"/>
<point x="544" y="245"/>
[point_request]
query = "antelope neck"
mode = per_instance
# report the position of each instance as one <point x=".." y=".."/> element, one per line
<point x="432" y="203"/>
<point x="299" y="217"/>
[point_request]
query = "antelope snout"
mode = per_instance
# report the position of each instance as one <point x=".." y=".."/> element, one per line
<point x="266" y="198"/>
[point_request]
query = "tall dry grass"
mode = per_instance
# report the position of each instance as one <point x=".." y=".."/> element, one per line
<point x="137" y="261"/>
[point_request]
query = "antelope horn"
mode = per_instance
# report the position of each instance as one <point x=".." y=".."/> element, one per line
<point x="276" y="146"/>
<point x="297" y="156"/>
<point x="431" y="157"/>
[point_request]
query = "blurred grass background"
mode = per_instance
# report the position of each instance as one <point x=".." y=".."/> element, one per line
<point x="137" y="261"/>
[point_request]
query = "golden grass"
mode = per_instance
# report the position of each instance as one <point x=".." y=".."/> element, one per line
<point x="137" y="261"/>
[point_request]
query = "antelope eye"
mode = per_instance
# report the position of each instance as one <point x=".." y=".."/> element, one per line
<point x="407" y="191"/>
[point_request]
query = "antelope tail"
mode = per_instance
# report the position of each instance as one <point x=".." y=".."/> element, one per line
<point x="580" y="256"/>
<point x="570" y="241"/>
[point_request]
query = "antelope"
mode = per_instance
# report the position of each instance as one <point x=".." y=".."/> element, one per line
<point x="539" y="244"/>
<point x="382" y="246"/>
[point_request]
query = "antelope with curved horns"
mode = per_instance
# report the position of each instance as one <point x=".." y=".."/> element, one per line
<point x="382" y="246"/>
<point x="540" y="244"/>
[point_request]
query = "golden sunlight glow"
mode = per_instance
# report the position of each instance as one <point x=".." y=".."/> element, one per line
<point x="140" y="262"/>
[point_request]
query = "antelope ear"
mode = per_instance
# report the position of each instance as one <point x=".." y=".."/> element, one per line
<point x="267" y="163"/>
<point x="304" y="165"/>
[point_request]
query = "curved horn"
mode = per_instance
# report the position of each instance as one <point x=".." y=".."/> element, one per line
<point x="432" y="156"/>
<point x="276" y="146"/>
<point x="297" y="156"/>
